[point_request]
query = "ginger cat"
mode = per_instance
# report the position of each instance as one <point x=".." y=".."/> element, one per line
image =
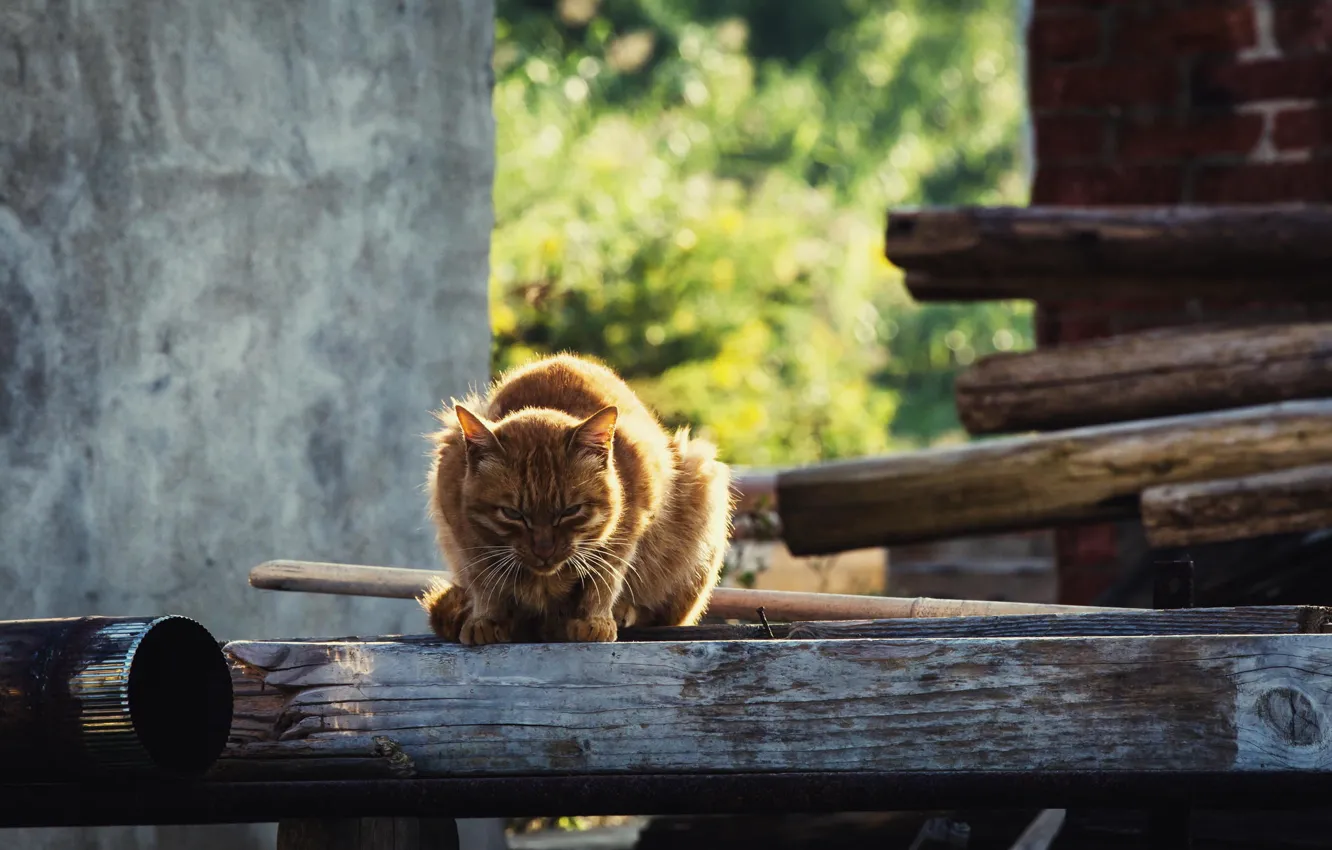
<point x="567" y="512"/>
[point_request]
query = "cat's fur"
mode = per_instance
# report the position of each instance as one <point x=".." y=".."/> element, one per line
<point x="644" y="549"/>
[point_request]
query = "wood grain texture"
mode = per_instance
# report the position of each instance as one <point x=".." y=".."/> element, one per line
<point x="1284" y="502"/>
<point x="1052" y="253"/>
<point x="1217" y="703"/>
<point x="1145" y="375"/>
<point x="1013" y="483"/>
<point x="1264" y="620"/>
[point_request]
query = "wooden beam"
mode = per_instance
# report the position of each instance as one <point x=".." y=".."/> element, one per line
<point x="1293" y="500"/>
<point x="1036" y="482"/>
<point x="1146" y="375"/>
<point x="1273" y="619"/>
<point x="1050" y="253"/>
<point x="1229" y="704"/>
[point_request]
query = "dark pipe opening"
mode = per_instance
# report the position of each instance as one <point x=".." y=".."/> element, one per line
<point x="180" y="695"/>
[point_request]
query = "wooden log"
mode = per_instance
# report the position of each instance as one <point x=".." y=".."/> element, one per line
<point x="98" y="696"/>
<point x="1017" y="483"/>
<point x="1246" y="704"/>
<point x="1258" y="620"/>
<point x="1141" y="376"/>
<point x="727" y="602"/>
<point x="1285" y="502"/>
<point x="368" y="834"/>
<point x="1050" y="253"/>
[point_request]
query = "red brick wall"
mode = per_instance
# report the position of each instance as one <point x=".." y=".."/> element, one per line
<point x="1167" y="102"/>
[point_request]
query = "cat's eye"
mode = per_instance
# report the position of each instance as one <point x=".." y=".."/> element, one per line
<point x="572" y="510"/>
<point x="510" y="513"/>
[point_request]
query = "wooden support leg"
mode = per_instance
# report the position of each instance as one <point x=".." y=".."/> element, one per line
<point x="368" y="834"/>
<point x="1171" y="828"/>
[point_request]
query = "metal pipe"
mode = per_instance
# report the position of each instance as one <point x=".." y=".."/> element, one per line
<point x="91" y="696"/>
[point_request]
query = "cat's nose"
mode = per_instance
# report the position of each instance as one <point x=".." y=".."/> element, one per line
<point x="543" y="548"/>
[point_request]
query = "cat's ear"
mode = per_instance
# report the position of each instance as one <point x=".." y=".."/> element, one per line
<point x="477" y="434"/>
<point x="595" y="433"/>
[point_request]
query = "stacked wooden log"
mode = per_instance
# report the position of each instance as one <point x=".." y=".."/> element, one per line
<point x="1210" y="433"/>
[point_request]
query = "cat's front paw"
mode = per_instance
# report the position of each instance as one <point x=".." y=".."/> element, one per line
<point x="448" y="608"/>
<point x="478" y="631"/>
<point x="592" y="630"/>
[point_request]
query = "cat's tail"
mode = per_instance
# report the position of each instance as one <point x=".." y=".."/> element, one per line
<point x="447" y="606"/>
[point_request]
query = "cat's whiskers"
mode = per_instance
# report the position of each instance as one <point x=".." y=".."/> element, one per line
<point x="511" y="570"/>
<point x="494" y="570"/>
<point x="629" y="566"/>
<point x="486" y="558"/>
<point x="580" y="567"/>
<point x="497" y="580"/>
<point x="578" y="570"/>
<point x="596" y="564"/>
<point x="587" y="572"/>
<point x="490" y="548"/>
<point x="482" y="562"/>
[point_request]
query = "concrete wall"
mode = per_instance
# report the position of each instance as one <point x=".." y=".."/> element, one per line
<point x="243" y="252"/>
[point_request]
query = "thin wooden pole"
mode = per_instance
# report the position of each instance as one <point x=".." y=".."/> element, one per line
<point x="727" y="602"/>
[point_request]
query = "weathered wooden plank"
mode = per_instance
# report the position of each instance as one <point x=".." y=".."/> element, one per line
<point x="1201" y="704"/>
<point x="1052" y="253"/>
<point x="1258" y="620"/>
<point x="1141" y="376"/>
<point x="1034" y="482"/>
<point x="1293" y="500"/>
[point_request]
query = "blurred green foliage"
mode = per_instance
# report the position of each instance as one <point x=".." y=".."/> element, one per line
<point x="695" y="192"/>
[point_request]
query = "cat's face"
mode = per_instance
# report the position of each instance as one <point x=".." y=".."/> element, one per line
<point x="540" y="489"/>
